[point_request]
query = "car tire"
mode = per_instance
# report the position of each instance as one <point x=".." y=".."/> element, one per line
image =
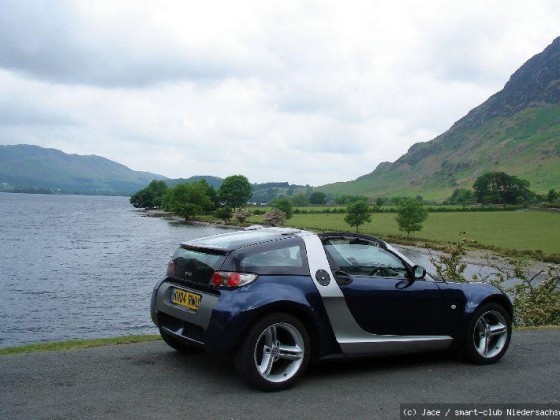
<point x="179" y="345"/>
<point x="274" y="352"/>
<point x="488" y="335"/>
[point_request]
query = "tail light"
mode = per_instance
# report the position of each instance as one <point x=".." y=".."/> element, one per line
<point x="171" y="268"/>
<point x="231" y="279"/>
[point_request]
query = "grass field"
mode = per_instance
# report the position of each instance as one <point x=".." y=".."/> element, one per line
<point x="521" y="230"/>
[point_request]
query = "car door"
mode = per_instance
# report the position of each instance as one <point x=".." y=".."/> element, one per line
<point x="378" y="290"/>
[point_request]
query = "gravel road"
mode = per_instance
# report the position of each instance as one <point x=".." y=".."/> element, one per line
<point x="149" y="380"/>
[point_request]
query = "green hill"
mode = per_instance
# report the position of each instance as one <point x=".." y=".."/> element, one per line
<point x="213" y="181"/>
<point x="517" y="131"/>
<point x="30" y="168"/>
<point x="25" y="167"/>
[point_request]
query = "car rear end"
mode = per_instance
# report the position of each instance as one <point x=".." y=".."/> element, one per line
<point x="202" y="301"/>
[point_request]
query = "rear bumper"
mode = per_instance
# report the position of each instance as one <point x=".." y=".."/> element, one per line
<point x="185" y="324"/>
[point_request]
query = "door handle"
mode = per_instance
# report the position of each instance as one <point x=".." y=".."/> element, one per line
<point x="342" y="277"/>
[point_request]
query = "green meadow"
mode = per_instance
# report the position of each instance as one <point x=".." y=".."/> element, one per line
<point x="511" y="230"/>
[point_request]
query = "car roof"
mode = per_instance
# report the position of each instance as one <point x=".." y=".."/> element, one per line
<point x="250" y="236"/>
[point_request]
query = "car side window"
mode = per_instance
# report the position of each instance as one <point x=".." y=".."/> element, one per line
<point x="285" y="257"/>
<point x="361" y="257"/>
<point x="281" y="257"/>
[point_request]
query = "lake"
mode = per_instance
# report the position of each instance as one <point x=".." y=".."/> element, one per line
<point x="80" y="266"/>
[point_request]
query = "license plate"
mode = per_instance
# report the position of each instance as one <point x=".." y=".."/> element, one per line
<point x="186" y="299"/>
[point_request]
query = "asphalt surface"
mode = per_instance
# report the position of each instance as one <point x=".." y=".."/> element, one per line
<point x="150" y="380"/>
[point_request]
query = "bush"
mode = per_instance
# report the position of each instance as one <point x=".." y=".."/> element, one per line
<point x="224" y="213"/>
<point x="284" y="205"/>
<point x="535" y="303"/>
<point x="274" y="217"/>
<point x="242" y="214"/>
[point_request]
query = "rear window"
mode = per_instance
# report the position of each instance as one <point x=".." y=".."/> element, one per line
<point x="196" y="265"/>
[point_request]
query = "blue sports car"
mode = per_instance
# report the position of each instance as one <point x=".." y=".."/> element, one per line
<point x="279" y="298"/>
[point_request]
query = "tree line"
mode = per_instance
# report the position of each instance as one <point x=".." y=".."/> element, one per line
<point x="228" y="202"/>
<point x="500" y="188"/>
<point x="188" y="200"/>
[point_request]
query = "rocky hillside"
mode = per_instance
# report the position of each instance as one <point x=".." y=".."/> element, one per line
<point x="517" y="131"/>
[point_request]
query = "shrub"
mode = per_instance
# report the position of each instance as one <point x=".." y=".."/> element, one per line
<point x="451" y="266"/>
<point x="242" y="214"/>
<point x="284" y="205"/>
<point x="536" y="302"/>
<point x="274" y="217"/>
<point x="224" y="213"/>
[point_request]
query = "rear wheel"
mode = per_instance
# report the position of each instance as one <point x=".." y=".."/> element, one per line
<point x="274" y="353"/>
<point x="488" y="335"/>
<point x="179" y="345"/>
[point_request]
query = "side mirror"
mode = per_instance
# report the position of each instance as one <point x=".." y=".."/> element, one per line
<point x="418" y="272"/>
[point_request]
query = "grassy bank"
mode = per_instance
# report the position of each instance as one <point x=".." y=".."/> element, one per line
<point x="534" y="231"/>
<point x="78" y="344"/>
<point x="132" y="339"/>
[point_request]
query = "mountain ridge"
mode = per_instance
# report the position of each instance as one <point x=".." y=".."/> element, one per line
<point x="515" y="130"/>
<point x="26" y="165"/>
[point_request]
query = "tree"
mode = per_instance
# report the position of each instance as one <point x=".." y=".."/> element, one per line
<point x="300" y="200"/>
<point x="462" y="196"/>
<point x="342" y="200"/>
<point x="149" y="197"/>
<point x="501" y="188"/>
<point x="274" y="217"/>
<point x="318" y="197"/>
<point x="210" y="192"/>
<point x="284" y="205"/>
<point x="188" y="200"/>
<point x="235" y="191"/>
<point x="552" y="196"/>
<point x="411" y="213"/>
<point x="358" y="213"/>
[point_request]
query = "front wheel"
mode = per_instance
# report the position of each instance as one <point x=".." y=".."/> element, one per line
<point x="488" y="335"/>
<point x="274" y="353"/>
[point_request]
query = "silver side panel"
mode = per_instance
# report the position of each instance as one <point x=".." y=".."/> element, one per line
<point x="352" y="338"/>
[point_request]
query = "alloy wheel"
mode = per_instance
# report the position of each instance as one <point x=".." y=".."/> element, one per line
<point x="279" y="352"/>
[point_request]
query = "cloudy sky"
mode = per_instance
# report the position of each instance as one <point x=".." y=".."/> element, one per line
<point x="309" y="92"/>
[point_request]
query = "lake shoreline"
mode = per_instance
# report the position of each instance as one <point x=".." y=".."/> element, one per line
<point x="474" y="258"/>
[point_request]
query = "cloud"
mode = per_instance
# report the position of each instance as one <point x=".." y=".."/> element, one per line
<point x="309" y="92"/>
<point x="93" y="44"/>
